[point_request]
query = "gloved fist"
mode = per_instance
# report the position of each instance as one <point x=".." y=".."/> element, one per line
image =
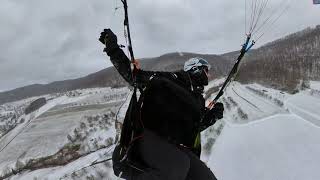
<point x="109" y="39"/>
<point x="217" y="110"/>
<point x="212" y="116"/>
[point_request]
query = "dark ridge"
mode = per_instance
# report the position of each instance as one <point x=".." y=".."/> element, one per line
<point x="110" y="78"/>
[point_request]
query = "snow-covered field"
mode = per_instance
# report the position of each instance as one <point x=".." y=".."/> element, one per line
<point x="266" y="134"/>
<point x="86" y="118"/>
<point x="281" y="145"/>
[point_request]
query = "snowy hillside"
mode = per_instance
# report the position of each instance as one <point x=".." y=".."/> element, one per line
<point x="278" y="147"/>
<point x="284" y="144"/>
<point x="74" y="126"/>
<point x="265" y="134"/>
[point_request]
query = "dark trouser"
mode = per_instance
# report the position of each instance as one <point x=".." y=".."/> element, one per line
<point x="168" y="162"/>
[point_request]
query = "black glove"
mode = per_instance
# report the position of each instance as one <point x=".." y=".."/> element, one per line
<point x="109" y="39"/>
<point x="217" y="111"/>
<point x="212" y="116"/>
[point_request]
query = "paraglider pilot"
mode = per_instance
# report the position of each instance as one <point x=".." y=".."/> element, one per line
<point x="173" y="114"/>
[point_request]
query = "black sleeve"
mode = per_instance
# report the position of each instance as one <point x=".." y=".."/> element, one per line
<point x="123" y="65"/>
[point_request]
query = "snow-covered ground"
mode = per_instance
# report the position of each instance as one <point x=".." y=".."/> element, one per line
<point x="265" y="134"/>
<point x="315" y="85"/>
<point x="278" y="147"/>
<point x="283" y="145"/>
<point x="86" y="118"/>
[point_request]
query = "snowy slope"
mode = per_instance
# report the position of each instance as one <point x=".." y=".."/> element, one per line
<point x="306" y="107"/>
<point x="86" y="119"/>
<point x="78" y="169"/>
<point x="265" y="134"/>
<point x="246" y="103"/>
<point x="279" y="146"/>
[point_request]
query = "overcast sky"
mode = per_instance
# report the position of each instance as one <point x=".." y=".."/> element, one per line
<point x="43" y="41"/>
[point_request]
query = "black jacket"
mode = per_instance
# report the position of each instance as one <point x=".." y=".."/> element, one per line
<point x="171" y="109"/>
<point x="172" y="106"/>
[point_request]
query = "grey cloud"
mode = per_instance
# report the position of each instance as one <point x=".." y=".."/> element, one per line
<point x="42" y="41"/>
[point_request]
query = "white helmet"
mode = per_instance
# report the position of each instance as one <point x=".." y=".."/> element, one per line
<point x="194" y="64"/>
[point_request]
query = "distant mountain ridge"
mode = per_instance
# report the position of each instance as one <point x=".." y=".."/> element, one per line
<point x="110" y="78"/>
<point x="280" y="64"/>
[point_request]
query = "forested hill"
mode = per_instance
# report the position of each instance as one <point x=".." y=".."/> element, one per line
<point x="283" y="63"/>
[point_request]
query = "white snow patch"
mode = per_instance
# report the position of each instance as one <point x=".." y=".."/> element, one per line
<point x="315" y="85"/>
<point x="281" y="147"/>
<point x="305" y="106"/>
